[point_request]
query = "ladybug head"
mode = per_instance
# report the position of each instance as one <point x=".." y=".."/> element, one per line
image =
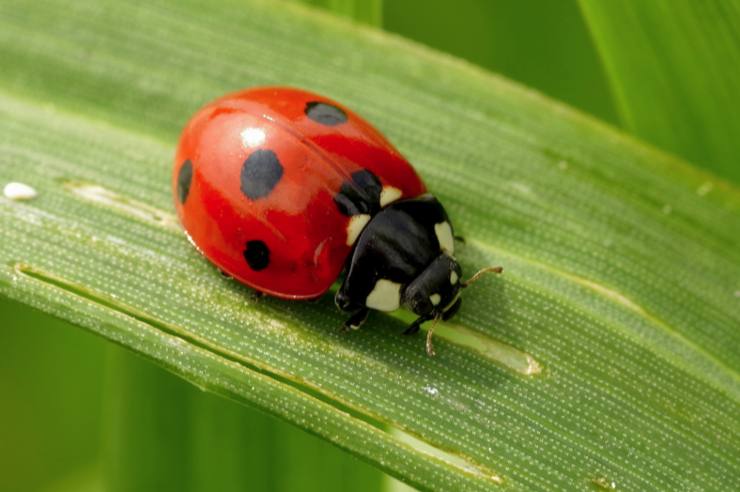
<point x="435" y="293"/>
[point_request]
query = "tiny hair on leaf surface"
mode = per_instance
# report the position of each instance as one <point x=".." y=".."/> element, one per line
<point x="606" y="352"/>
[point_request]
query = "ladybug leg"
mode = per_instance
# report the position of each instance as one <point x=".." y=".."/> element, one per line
<point x="414" y="327"/>
<point x="256" y="295"/>
<point x="356" y="320"/>
<point x="460" y="239"/>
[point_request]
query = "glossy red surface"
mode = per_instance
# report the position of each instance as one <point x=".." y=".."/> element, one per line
<point x="298" y="221"/>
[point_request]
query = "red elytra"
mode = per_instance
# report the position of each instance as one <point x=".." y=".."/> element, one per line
<point x="255" y="180"/>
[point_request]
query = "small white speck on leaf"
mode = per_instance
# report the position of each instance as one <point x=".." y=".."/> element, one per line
<point x="563" y="165"/>
<point x="19" y="191"/>
<point x="667" y="209"/>
<point x="605" y="483"/>
<point x="705" y="188"/>
<point x="431" y="390"/>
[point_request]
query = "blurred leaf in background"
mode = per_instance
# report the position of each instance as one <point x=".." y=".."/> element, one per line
<point x="674" y="67"/>
<point x="51" y="375"/>
<point x="543" y="45"/>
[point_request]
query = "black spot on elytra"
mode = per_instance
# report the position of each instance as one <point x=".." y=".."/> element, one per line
<point x="324" y="113"/>
<point x="184" y="178"/>
<point x="257" y="255"/>
<point x="360" y="195"/>
<point x="261" y="171"/>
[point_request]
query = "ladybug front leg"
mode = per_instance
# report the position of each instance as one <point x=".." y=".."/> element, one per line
<point x="416" y="325"/>
<point x="356" y="320"/>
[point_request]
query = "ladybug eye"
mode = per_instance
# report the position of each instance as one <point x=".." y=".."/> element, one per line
<point x="324" y="113"/>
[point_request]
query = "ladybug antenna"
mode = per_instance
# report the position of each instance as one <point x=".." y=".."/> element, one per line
<point x="430" y="332"/>
<point x="480" y="273"/>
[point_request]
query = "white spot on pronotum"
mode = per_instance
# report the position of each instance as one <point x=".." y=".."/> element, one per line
<point x="444" y="236"/>
<point x="435" y="299"/>
<point x="253" y="137"/>
<point x="356" y="224"/>
<point x="389" y="194"/>
<point x="705" y="188"/>
<point x="19" y="191"/>
<point x="453" y="277"/>
<point x="385" y="296"/>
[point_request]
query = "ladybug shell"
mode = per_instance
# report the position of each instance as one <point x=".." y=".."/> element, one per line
<point x="256" y="178"/>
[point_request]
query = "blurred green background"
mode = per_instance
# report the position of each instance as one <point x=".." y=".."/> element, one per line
<point x="68" y="421"/>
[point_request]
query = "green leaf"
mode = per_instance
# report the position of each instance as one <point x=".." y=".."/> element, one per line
<point x="162" y="434"/>
<point x="606" y="353"/>
<point x="550" y="51"/>
<point x="146" y="443"/>
<point x="52" y="432"/>
<point x="366" y="11"/>
<point x="673" y="69"/>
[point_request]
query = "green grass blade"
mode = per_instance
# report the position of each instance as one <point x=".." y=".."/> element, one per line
<point x="51" y="433"/>
<point x="606" y="352"/>
<point x="368" y="12"/>
<point x="146" y="416"/>
<point x="673" y="68"/>
<point x="543" y="45"/>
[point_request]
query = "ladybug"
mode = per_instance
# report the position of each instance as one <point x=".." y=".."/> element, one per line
<point x="284" y="189"/>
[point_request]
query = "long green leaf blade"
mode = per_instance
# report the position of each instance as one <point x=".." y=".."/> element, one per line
<point x="673" y="67"/>
<point x="606" y="353"/>
<point x="369" y="12"/>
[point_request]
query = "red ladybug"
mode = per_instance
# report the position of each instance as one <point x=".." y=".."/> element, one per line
<point x="282" y="189"/>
